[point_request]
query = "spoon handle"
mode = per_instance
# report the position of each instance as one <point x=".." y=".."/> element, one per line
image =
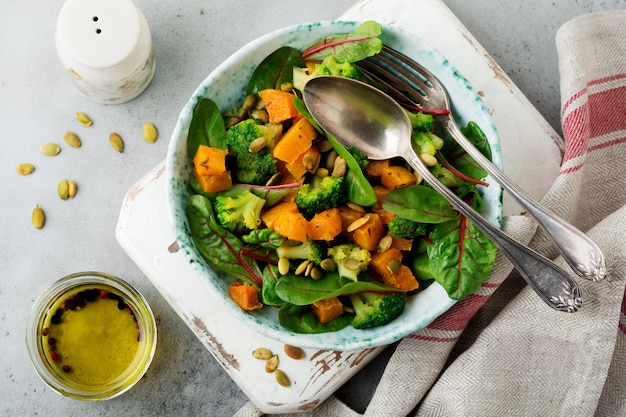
<point x="580" y="252"/>
<point x="551" y="283"/>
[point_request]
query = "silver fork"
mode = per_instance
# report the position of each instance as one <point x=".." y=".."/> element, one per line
<point x="414" y="87"/>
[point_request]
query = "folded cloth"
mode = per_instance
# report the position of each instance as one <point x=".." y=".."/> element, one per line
<point x="502" y="351"/>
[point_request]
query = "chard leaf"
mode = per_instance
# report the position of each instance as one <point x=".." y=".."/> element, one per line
<point x="462" y="161"/>
<point x="272" y="194"/>
<point x="350" y="47"/>
<point x="420" y="204"/>
<point x="460" y="256"/>
<point x="206" y="127"/>
<point x="301" y="319"/>
<point x="301" y="290"/>
<point x="233" y="116"/>
<point x="219" y="247"/>
<point x="276" y="69"/>
<point x="268" y="293"/>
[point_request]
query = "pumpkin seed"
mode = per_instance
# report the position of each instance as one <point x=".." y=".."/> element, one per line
<point x="282" y="378"/>
<point x="321" y="172"/>
<point x="71" y="188"/>
<point x="355" y="206"/>
<point x="358" y="223"/>
<point x="309" y="162"/>
<point x="274" y="179"/>
<point x="271" y="364"/>
<point x="257" y="144"/>
<point x="384" y="243"/>
<point x="63" y="189"/>
<point x="25" y="168"/>
<point x="394" y="266"/>
<point x="330" y="160"/>
<point x="302" y="267"/>
<point x="72" y="139"/>
<point x="316" y="273"/>
<point x="428" y="159"/>
<point x="286" y="86"/>
<point x="38" y="217"/>
<point x="117" y="142"/>
<point x="260" y="115"/>
<point x="262" y="353"/>
<point x="50" y="149"/>
<point x="294" y="352"/>
<point x="324" y="146"/>
<point x="249" y="102"/>
<point x="328" y="264"/>
<point x="283" y="266"/>
<point x="352" y="264"/>
<point x="83" y="119"/>
<point x="340" y="167"/>
<point x="149" y="133"/>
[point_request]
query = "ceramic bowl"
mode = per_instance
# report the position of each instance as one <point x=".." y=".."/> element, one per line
<point x="226" y="87"/>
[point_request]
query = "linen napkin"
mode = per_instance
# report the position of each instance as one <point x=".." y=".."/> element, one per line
<point x="502" y="351"/>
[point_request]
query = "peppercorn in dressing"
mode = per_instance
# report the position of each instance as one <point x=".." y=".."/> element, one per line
<point x="91" y="336"/>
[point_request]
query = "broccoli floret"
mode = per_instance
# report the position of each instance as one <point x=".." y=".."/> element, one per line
<point x="252" y="167"/>
<point x="426" y="142"/>
<point x="376" y="309"/>
<point x="329" y="66"/>
<point x="313" y="250"/>
<point x="399" y="227"/>
<point x="240" y="213"/>
<point x="351" y="259"/>
<point x="320" y="194"/>
<point x="421" y="121"/>
<point x="359" y="157"/>
<point x="447" y="177"/>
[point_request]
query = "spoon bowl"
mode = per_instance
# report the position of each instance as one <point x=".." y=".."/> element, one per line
<point x="357" y="114"/>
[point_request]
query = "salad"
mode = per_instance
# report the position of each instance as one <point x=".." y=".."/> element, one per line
<point x="305" y="225"/>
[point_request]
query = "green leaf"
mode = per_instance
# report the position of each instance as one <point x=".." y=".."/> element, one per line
<point x="301" y="290"/>
<point x="460" y="257"/>
<point x="206" y="127"/>
<point x="420" y="204"/>
<point x="219" y="247"/>
<point x="276" y="69"/>
<point x="349" y="47"/>
<point x="301" y="319"/>
<point x="462" y="161"/>
<point x="268" y="293"/>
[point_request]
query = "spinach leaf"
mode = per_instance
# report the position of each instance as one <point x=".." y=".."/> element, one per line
<point x="475" y="134"/>
<point x="360" y="190"/>
<point x="301" y="319"/>
<point x="268" y="294"/>
<point x="461" y="160"/>
<point x="460" y="256"/>
<point x="350" y="47"/>
<point x="219" y="247"/>
<point x="420" y="204"/>
<point x="274" y="70"/>
<point x="300" y="290"/>
<point x="234" y="115"/>
<point x="206" y="127"/>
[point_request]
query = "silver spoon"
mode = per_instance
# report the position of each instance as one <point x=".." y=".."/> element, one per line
<point x="357" y="114"/>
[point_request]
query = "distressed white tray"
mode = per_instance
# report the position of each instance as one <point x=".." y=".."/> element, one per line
<point x="144" y="233"/>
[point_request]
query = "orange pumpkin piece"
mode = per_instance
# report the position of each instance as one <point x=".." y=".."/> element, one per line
<point x="380" y="260"/>
<point x="325" y="225"/>
<point x="297" y="168"/>
<point x="279" y="105"/>
<point x="327" y="310"/>
<point x="215" y="183"/>
<point x="209" y="161"/>
<point x="403" y="279"/>
<point x="245" y="296"/>
<point x="311" y="64"/>
<point x="374" y="168"/>
<point x="396" y="177"/>
<point x="402" y="243"/>
<point x="369" y="234"/>
<point x="297" y="139"/>
<point x="380" y="191"/>
<point x="348" y="216"/>
<point x="385" y="215"/>
<point x="285" y="219"/>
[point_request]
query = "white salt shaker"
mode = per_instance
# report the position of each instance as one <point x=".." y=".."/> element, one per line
<point x="106" y="47"/>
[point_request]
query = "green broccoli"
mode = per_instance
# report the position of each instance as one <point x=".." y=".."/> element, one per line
<point x="421" y="121"/>
<point x="426" y="142"/>
<point x="251" y="167"/>
<point x="329" y="66"/>
<point x="313" y="250"/>
<point x="359" y="157"/>
<point x="351" y="259"/>
<point x="239" y="213"/>
<point x="376" y="309"/>
<point x="399" y="227"/>
<point x="320" y="194"/>
<point x="447" y="177"/>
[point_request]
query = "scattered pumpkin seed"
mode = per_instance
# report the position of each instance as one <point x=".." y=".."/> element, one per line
<point x="149" y="133"/>
<point x="384" y="243"/>
<point x="352" y="264"/>
<point x="302" y="267"/>
<point x="428" y="159"/>
<point x="63" y="189"/>
<point x="260" y="115"/>
<point x="117" y="142"/>
<point x="257" y="144"/>
<point x="293" y="352"/>
<point x="321" y="172"/>
<point x="286" y="86"/>
<point x="249" y="102"/>
<point x="330" y="160"/>
<point x="50" y="149"/>
<point x="328" y="264"/>
<point x="394" y="266"/>
<point x="358" y="223"/>
<point x="355" y="207"/>
<point x="316" y="272"/>
<point x="72" y="139"/>
<point x="38" y="217"/>
<point x="274" y="179"/>
<point x="71" y="188"/>
<point x="310" y="162"/>
<point x="282" y="378"/>
<point x="262" y="353"/>
<point x="271" y="364"/>
<point x="25" y="168"/>
<point x="283" y="266"/>
<point x="83" y="119"/>
<point x="324" y="146"/>
<point x="340" y="167"/>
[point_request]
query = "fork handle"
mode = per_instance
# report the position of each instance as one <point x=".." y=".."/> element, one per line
<point x="579" y="251"/>
<point x="553" y="285"/>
